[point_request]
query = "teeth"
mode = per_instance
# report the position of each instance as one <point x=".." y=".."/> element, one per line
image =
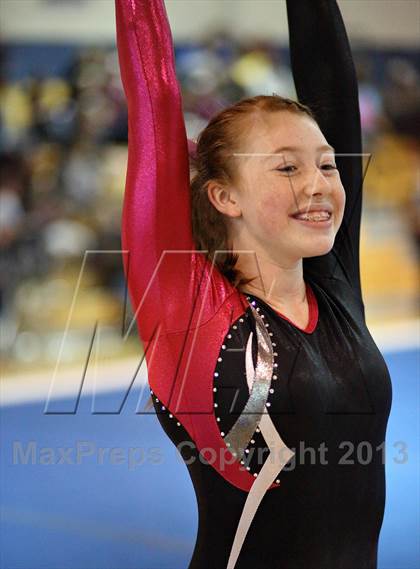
<point x="316" y="216"/>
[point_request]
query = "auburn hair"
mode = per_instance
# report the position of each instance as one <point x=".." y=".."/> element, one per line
<point x="211" y="160"/>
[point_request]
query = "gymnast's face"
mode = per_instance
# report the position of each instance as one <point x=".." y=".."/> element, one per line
<point x="284" y="168"/>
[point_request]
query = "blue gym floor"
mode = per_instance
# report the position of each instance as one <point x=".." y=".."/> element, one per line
<point x="121" y="515"/>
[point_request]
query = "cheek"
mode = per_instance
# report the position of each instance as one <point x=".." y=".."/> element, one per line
<point x="271" y="212"/>
<point x="341" y="202"/>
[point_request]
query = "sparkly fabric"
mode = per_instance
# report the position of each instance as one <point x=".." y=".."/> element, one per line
<point x="280" y="454"/>
<point x="241" y="433"/>
<point x="329" y="383"/>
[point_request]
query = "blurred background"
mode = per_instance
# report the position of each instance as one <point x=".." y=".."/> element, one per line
<point x="63" y="151"/>
<point x="63" y="146"/>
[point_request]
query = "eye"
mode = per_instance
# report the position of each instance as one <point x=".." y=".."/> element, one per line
<point x="287" y="169"/>
<point x="329" y="167"/>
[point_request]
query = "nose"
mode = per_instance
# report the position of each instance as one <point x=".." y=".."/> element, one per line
<point x="316" y="183"/>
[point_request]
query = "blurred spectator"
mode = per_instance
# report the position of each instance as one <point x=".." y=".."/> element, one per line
<point x="258" y="72"/>
<point x="402" y="97"/>
<point x="370" y="100"/>
<point x="12" y="220"/>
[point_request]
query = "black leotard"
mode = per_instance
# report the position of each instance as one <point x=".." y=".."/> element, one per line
<point x="329" y="387"/>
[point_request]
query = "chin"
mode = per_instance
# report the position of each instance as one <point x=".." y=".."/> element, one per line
<point x="318" y="248"/>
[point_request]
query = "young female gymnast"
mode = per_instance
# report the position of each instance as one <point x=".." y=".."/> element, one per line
<point x="246" y="288"/>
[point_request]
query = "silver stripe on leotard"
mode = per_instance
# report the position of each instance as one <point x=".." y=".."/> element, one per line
<point x="279" y="455"/>
<point x="237" y="439"/>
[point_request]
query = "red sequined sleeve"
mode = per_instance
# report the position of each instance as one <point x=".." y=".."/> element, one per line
<point x="165" y="277"/>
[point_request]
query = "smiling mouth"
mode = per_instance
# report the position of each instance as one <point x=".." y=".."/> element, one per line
<point x="317" y="216"/>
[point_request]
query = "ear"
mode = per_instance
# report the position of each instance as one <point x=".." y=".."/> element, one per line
<point x="224" y="198"/>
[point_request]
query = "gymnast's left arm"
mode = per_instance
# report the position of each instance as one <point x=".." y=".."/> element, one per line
<point x="325" y="80"/>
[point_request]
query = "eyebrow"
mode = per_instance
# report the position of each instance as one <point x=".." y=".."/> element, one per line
<point x="280" y="151"/>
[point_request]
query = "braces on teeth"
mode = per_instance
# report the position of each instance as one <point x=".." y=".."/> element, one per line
<point x="315" y="217"/>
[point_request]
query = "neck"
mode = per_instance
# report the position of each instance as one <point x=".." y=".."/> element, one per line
<point x="279" y="283"/>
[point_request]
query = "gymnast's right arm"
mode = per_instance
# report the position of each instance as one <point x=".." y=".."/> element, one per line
<point x="156" y="212"/>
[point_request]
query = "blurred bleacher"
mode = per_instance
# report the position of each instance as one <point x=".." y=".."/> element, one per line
<point x="63" y="144"/>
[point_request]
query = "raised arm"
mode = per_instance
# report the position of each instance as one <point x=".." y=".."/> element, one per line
<point x="156" y="213"/>
<point x="325" y="80"/>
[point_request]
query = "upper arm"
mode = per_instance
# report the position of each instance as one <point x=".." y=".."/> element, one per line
<point x="325" y="80"/>
<point x="156" y="212"/>
<point x="167" y="279"/>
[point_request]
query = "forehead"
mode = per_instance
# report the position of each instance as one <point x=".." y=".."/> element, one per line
<point x="265" y="132"/>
